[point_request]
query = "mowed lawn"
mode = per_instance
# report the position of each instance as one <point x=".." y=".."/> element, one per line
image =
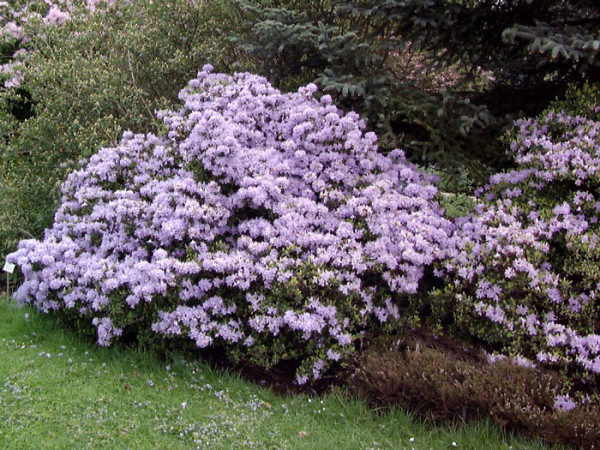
<point x="57" y="391"/>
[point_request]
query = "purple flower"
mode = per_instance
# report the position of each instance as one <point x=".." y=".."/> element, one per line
<point x="258" y="216"/>
<point x="564" y="403"/>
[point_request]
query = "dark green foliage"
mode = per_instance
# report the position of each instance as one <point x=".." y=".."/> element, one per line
<point x="20" y="104"/>
<point x="353" y="52"/>
<point x="457" y="205"/>
<point x="580" y="101"/>
<point x="7" y="50"/>
<point x="566" y="39"/>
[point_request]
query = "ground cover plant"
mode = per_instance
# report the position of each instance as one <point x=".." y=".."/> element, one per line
<point x="446" y="379"/>
<point x="58" y="390"/>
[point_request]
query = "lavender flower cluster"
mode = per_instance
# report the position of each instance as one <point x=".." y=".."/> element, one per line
<point x="525" y="270"/>
<point x="263" y="223"/>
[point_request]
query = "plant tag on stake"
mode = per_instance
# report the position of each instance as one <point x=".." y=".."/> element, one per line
<point x="9" y="267"/>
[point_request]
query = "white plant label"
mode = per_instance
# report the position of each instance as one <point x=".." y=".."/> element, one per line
<point x="9" y="267"/>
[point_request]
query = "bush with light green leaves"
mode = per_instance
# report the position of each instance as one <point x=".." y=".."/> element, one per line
<point x="84" y="83"/>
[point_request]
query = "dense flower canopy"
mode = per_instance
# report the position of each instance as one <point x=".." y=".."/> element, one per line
<point x="525" y="265"/>
<point x="257" y="216"/>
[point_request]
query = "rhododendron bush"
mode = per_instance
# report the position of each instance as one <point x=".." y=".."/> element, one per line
<point x="260" y="223"/>
<point x="525" y="271"/>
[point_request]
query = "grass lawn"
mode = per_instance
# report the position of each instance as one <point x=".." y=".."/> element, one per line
<point x="57" y="391"/>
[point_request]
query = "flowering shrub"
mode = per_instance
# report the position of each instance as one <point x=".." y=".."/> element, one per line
<point x="17" y="24"/>
<point x="525" y="273"/>
<point x="90" y="79"/>
<point x="262" y="223"/>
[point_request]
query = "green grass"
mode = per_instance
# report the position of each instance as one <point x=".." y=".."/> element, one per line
<point x="57" y="391"/>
